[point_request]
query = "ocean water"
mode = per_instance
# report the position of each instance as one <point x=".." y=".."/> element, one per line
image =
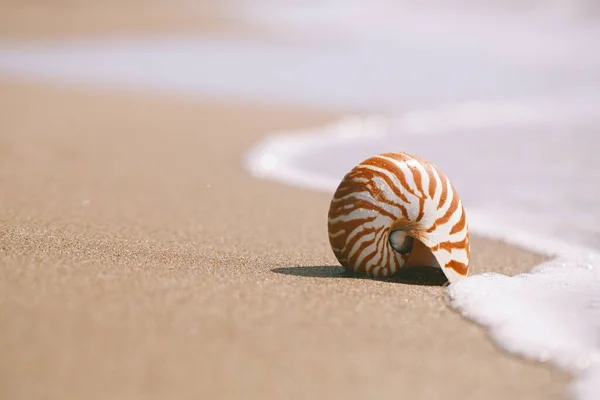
<point x="503" y="97"/>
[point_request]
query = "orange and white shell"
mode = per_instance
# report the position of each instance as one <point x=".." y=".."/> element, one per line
<point x="397" y="210"/>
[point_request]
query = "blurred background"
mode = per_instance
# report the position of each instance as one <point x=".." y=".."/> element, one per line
<point x="514" y="83"/>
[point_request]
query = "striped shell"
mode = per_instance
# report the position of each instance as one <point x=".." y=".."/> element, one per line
<point x="397" y="210"/>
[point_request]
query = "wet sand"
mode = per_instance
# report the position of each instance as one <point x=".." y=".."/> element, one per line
<point x="139" y="260"/>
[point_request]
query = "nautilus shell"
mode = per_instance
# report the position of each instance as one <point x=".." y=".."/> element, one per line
<point x="398" y="210"/>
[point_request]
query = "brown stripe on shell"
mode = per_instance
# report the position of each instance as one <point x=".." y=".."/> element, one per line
<point x="444" y="196"/>
<point x="460" y="225"/>
<point x="399" y="174"/>
<point x="358" y="204"/>
<point x="370" y="175"/>
<point x="468" y="249"/>
<point x="449" y="246"/>
<point x="432" y="182"/>
<point x="387" y="166"/>
<point x="381" y="242"/>
<point x="352" y="242"/>
<point x="339" y="242"/>
<point x="448" y="214"/>
<point x="418" y="179"/>
<point x="354" y="258"/>
<point x="457" y="266"/>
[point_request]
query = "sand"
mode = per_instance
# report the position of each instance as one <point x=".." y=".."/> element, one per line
<point x="138" y="259"/>
<point x="57" y="19"/>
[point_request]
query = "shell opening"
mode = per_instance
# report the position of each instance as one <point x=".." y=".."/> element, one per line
<point x="419" y="254"/>
<point x="401" y="242"/>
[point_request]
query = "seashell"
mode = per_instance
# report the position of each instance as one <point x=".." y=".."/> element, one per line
<point x="398" y="210"/>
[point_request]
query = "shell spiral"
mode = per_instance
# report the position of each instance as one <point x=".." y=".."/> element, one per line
<point x="392" y="206"/>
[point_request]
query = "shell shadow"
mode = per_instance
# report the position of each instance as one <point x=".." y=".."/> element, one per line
<point x="422" y="276"/>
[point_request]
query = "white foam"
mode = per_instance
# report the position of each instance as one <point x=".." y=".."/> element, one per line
<point x="551" y="314"/>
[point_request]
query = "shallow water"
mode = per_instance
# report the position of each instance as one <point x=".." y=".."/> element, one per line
<point x="504" y="100"/>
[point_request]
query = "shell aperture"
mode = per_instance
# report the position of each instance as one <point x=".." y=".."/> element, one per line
<point x="390" y="207"/>
<point x="401" y="242"/>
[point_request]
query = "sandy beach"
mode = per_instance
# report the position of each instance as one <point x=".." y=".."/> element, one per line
<point x="138" y="259"/>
